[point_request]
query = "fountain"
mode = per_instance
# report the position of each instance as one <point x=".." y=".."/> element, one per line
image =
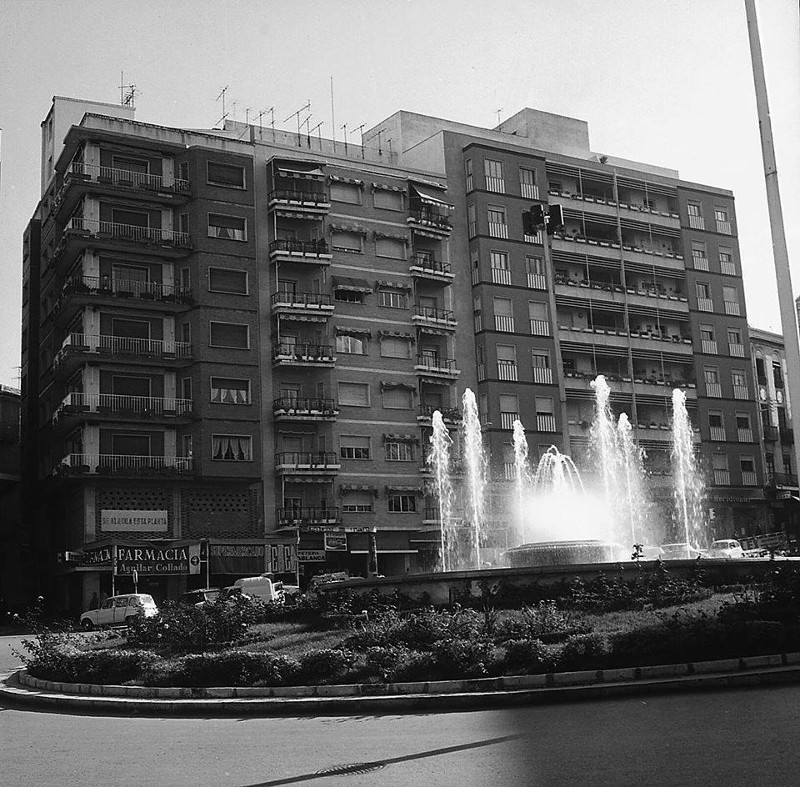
<point x="439" y="461"/>
<point x="475" y="466"/>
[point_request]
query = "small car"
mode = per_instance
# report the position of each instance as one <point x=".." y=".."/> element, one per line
<point x="680" y="551"/>
<point x="728" y="548"/>
<point x="200" y="597"/>
<point x="119" y="611"/>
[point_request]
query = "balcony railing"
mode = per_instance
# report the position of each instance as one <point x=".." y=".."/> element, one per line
<point x="315" y="301"/>
<point x="504" y="323"/>
<point x="124" y="464"/>
<point x="736" y="350"/>
<point x="129" y="232"/>
<point x="507" y="371"/>
<point x="709" y="346"/>
<point x="448" y="413"/>
<point x="424" y="264"/>
<point x="290" y="405"/>
<point x="124" y="288"/>
<point x="307" y="514"/>
<point x="781" y="479"/>
<point x="697" y="222"/>
<point x="501" y="276"/>
<point x="431" y="218"/>
<point x="122" y="177"/>
<point x="700" y="262"/>
<point x="309" y="460"/>
<point x="529" y="190"/>
<point x="302" y="196"/>
<point x="718" y="433"/>
<point x="542" y="375"/>
<point x="714" y="390"/>
<point x="498" y="230"/>
<point x="705" y="304"/>
<point x="741" y="392"/>
<point x="537" y="281"/>
<point x="122" y="403"/>
<point x="722" y="477"/>
<point x="434" y="314"/>
<point x="749" y="478"/>
<point x="498" y="185"/>
<point x="724" y="227"/>
<point x="545" y="423"/>
<point x="316" y="353"/>
<point x="744" y="435"/>
<point x="300" y="247"/>
<point x="125" y="345"/>
<point x="728" y="268"/>
<point x="435" y="364"/>
<point x="732" y="308"/>
<point x="507" y="420"/>
<point x="539" y="327"/>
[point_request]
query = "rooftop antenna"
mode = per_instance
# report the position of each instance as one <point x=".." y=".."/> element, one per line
<point x="344" y="126"/>
<point x="307" y="124"/>
<point x="498" y="115"/>
<point x="380" y="134"/>
<point x="333" y="119"/>
<point x="297" y="115"/>
<point x="127" y="93"/>
<point x="222" y="96"/>
<point x="318" y="126"/>
<point x="360" y="130"/>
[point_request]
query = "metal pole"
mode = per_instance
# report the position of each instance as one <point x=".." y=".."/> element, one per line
<point x="779" y="249"/>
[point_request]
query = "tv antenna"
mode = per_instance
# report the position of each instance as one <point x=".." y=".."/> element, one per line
<point x="360" y="130"/>
<point x="297" y="115"/>
<point x="318" y="127"/>
<point x="127" y="93"/>
<point x="222" y="96"/>
<point x="498" y="115"/>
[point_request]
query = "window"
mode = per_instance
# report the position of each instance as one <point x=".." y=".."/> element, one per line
<point x="227" y="227"/>
<point x="708" y="343"/>
<point x="468" y="173"/>
<point x="354" y="447"/>
<point x="539" y="318"/>
<point x="347" y="241"/>
<point x="358" y="503"/>
<point x="183" y="170"/>
<point x="130" y="218"/>
<point x="738" y="377"/>
<point x="346" y="192"/>
<point x="730" y="298"/>
<point x="699" y="258"/>
<point x="477" y="314"/>
<point x="509" y="410"/>
<point x="354" y="394"/>
<point x="501" y="271"/>
<point x="711" y="377"/>
<point x="393" y="299"/>
<point x="503" y="315"/>
<point x="507" y="362"/>
<point x="186" y="387"/>
<point x="231" y="448"/>
<point x="542" y="372"/>
<point x="527" y="183"/>
<point x="545" y="418"/>
<point x="230" y="391"/>
<point x="398" y="398"/>
<point x="493" y="171"/>
<point x="394" y="248"/>
<point x="535" y="272"/>
<point x="351" y="345"/>
<point x="395" y="347"/>
<point x="703" y="290"/>
<point x="348" y="296"/>
<point x="472" y="221"/>
<point x="497" y="221"/>
<point x="228" y="334"/>
<point x="726" y="263"/>
<point x="402" y="504"/>
<point x="723" y="220"/>
<point x="387" y="199"/>
<point x="704" y="302"/>
<point x="719" y="465"/>
<point x="696" y="220"/>
<point x="228" y="175"/>
<point x="399" y="452"/>
<point x="229" y="281"/>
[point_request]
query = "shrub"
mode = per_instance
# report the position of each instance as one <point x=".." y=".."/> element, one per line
<point x="461" y="658"/>
<point x="392" y="664"/>
<point x="110" y="665"/>
<point x="527" y="656"/>
<point x="231" y="668"/>
<point x="584" y="651"/>
<point x="326" y="665"/>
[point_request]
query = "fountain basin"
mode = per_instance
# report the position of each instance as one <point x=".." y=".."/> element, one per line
<point x="566" y="553"/>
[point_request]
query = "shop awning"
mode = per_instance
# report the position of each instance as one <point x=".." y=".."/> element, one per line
<point x="430" y="197"/>
<point x="291" y="168"/>
<point x="350" y="283"/>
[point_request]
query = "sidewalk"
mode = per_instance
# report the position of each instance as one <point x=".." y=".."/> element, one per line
<point x="19" y="688"/>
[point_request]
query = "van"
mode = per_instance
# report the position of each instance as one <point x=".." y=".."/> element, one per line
<point x="262" y="588"/>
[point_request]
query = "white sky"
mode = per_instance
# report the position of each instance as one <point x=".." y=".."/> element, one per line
<point x="665" y="82"/>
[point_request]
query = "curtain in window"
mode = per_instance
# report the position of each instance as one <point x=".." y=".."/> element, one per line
<point x="232" y="448"/>
<point x="229" y="391"/>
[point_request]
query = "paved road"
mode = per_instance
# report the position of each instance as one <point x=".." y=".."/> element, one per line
<point x="742" y="737"/>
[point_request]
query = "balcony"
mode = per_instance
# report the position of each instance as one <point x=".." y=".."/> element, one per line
<point x="714" y="390"/>
<point x="289" y="408"/>
<point x="450" y="415"/>
<point x="727" y="267"/>
<point x="749" y="478"/>
<point x="131" y="233"/>
<point x="732" y="308"/>
<point x="722" y="477"/>
<point x="542" y="375"/>
<point x="507" y="371"/>
<point x="429" y="219"/>
<point x="503" y="323"/>
<point x="122" y="405"/>
<point x="539" y="327"/>
<point x="708" y="346"/>
<point x="697" y="222"/>
<point x="718" y="433"/>
<point x="310" y="304"/>
<point x="123" y="465"/>
<point x="149" y="292"/>
<point x="307" y="515"/>
<point x="314" y="252"/>
<point x="501" y="276"/>
<point x="705" y="304"/>
<point x="744" y="435"/>
<point x="537" y="281"/>
<point x="736" y="350"/>
<point x="76" y="345"/>
<point x="507" y="420"/>
<point x="436" y="367"/>
<point x="741" y="392"/>
<point x="293" y="354"/>
<point x="306" y="463"/>
<point x="300" y="203"/>
<point x="724" y="227"/>
<point x="619" y="337"/>
<point x="781" y="480"/>
<point x="546" y="423"/>
<point x="434" y="317"/>
<point x="424" y="266"/>
<point x="113" y="180"/>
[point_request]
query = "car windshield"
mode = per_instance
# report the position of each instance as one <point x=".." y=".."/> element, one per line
<point x="142" y="600"/>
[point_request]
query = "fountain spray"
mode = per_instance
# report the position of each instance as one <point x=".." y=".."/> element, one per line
<point x="475" y="460"/>
<point x="522" y="474"/>
<point x="439" y="461"/>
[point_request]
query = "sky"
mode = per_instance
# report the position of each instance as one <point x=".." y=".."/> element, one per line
<point x="665" y="83"/>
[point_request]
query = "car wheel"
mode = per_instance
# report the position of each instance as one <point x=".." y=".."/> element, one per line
<point x="87" y="624"/>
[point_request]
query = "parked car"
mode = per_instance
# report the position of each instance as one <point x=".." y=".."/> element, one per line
<point x="263" y="588"/>
<point x="119" y="611"/>
<point x="725" y="548"/>
<point x="681" y="551"/>
<point x="200" y="597"/>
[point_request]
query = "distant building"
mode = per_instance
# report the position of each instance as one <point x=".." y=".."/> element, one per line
<point x="234" y="340"/>
<point x="16" y="556"/>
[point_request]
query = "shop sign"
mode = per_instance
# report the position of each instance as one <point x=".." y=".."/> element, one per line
<point x="152" y="560"/>
<point x="117" y="520"/>
<point x="336" y="542"/>
<point x="311" y="555"/>
<point x="98" y="556"/>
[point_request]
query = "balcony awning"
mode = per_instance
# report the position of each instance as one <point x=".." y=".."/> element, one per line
<point x="349" y="330"/>
<point x="291" y="168"/>
<point x="401" y="438"/>
<point x="386" y="187"/>
<point x="417" y="490"/>
<point x="391" y="236"/>
<point x="392" y="285"/>
<point x="351" y="181"/>
<point x="430" y="197"/>
<point x="351" y="284"/>
<point x="356" y="228"/>
<point x="396" y="335"/>
<point x="389" y="384"/>
<point x="433" y="331"/>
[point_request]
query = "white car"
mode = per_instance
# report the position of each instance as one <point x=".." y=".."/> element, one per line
<point x="725" y="548"/>
<point x="681" y="551"/>
<point x="119" y="611"/>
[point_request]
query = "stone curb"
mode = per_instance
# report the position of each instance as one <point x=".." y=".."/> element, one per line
<point x="403" y="697"/>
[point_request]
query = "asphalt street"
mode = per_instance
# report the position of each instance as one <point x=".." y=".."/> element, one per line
<point x="741" y="737"/>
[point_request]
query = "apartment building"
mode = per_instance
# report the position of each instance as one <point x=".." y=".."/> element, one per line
<point x="234" y="340"/>
<point x="15" y="538"/>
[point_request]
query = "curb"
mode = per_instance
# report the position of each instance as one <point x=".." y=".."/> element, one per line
<point x="21" y="688"/>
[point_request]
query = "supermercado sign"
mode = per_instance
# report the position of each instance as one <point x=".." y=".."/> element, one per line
<point x="134" y="521"/>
